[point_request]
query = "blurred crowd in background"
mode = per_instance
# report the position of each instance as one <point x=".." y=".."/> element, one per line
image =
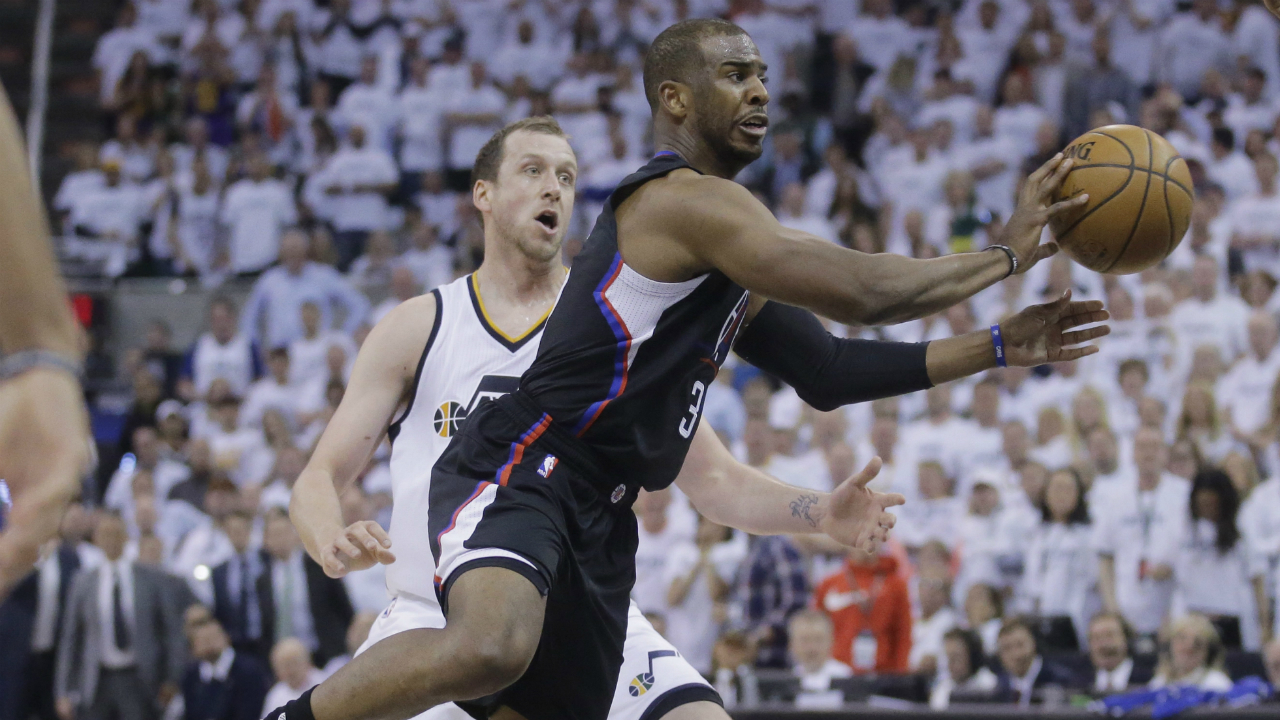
<point x="1086" y="526"/>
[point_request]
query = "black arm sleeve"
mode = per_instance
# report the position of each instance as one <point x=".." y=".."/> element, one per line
<point x="826" y="371"/>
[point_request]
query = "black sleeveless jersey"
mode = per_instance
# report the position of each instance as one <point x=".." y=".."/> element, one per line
<point x="625" y="362"/>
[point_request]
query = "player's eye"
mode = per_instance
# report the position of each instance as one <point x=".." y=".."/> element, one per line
<point x="566" y="178"/>
<point x="531" y="170"/>
<point x="735" y="76"/>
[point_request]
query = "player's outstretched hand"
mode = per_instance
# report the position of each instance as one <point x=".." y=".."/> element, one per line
<point x="361" y="545"/>
<point x="1035" y="206"/>
<point x="1043" y="333"/>
<point x="44" y="452"/>
<point x="857" y="515"/>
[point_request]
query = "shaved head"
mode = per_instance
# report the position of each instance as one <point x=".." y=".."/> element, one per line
<point x="676" y="54"/>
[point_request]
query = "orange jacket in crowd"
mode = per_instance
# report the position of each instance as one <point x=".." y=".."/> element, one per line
<point x="868" y="597"/>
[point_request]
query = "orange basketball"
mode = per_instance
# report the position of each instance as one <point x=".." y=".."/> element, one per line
<point x="1139" y="205"/>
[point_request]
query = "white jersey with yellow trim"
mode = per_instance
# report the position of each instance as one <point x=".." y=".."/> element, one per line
<point x="466" y="361"/>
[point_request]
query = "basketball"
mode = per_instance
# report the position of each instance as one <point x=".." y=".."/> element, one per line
<point x="1140" y="198"/>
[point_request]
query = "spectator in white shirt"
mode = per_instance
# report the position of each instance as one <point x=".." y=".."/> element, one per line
<point x="1209" y="317"/>
<point x="1229" y="167"/>
<point x="112" y="211"/>
<point x="539" y="61"/>
<point x="1136" y="527"/>
<point x="1200" y="422"/>
<point x="116" y="46"/>
<point x="1254" y="220"/>
<point x="965" y="671"/>
<point x="358" y="178"/>
<point x="371" y="272"/>
<point x="809" y="643"/>
<point x="1245" y="391"/>
<point x="86" y="176"/>
<point x="257" y="209"/>
<point x="1060" y="564"/>
<point x="791" y="214"/>
<point x="881" y="36"/>
<point x="307" y="353"/>
<point x="472" y="114"/>
<point x="1020" y="117"/>
<point x="936" y="514"/>
<point x="404" y="286"/>
<point x="430" y="261"/>
<point x="935" y="620"/>
<point x="197" y="145"/>
<point x="1191" y="45"/>
<point x="220" y="353"/>
<point x="984" y="614"/>
<point x="291" y="663"/>
<point x="272" y="392"/>
<point x="986" y="47"/>
<point x="992" y="159"/>
<point x="368" y="103"/>
<point x="1195" y="656"/>
<point x="1250" y="109"/>
<point x="697" y="576"/>
<point x="281" y="291"/>
<point x="419" y="106"/>
<point x="1216" y="572"/>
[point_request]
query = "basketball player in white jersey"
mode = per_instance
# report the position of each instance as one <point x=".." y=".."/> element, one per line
<point x="434" y="358"/>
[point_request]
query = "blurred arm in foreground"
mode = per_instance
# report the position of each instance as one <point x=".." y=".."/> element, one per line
<point x="44" y="431"/>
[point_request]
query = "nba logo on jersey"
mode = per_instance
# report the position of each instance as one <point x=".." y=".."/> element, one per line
<point x="548" y="464"/>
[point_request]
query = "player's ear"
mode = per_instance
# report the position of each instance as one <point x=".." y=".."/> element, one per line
<point x="675" y="97"/>
<point x="480" y="195"/>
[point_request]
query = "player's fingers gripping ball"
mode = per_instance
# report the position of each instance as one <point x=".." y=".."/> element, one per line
<point x="1140" y="198"/>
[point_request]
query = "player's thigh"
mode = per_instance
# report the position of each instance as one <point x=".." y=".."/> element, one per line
<point x="701" y="710"/>
<point x="505" y="632"/>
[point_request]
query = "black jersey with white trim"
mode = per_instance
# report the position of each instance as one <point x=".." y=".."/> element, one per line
<point x="625" y="362"/>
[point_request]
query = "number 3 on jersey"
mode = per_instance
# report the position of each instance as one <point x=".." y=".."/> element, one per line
<point x="688" y="423"/>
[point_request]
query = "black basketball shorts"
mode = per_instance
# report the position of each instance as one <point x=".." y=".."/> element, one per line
<point x="513" y="491"/>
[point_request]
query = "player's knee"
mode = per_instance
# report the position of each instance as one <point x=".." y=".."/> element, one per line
<point x="503" y="657"/>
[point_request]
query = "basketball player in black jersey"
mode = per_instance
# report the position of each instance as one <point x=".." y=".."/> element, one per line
<point x="529" y="517"/>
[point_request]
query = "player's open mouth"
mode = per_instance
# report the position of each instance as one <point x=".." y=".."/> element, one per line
<point x="756" y="125"/>
<point x="549" y="219"/>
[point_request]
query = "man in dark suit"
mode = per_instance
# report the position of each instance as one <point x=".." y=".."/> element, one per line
<point x="304" y="602"/>
<point x="1023" y="670"/>
<point x="242" y="592"/>
<point x="221" y="683"/>
<point x="53" y="577"/>
<point x="121" y="653"/>
<point x="1114" y="667"/>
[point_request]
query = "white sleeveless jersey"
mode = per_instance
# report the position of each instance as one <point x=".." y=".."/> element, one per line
<point x="233" y="362"/>
<point x="467" y="361"/>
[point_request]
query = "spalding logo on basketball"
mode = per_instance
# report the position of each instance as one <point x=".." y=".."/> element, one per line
<point x="640" y="684"/>
<point x="448" y="417"/>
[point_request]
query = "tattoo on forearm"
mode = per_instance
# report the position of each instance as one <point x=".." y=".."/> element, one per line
<point x="803" y="506"/>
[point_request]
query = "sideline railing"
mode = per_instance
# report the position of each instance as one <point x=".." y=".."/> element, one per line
<point x="41" y="50"/>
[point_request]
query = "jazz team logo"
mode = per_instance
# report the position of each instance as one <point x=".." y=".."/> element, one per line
<point x="449" y="417"/>
<point x="643" y="682"/>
